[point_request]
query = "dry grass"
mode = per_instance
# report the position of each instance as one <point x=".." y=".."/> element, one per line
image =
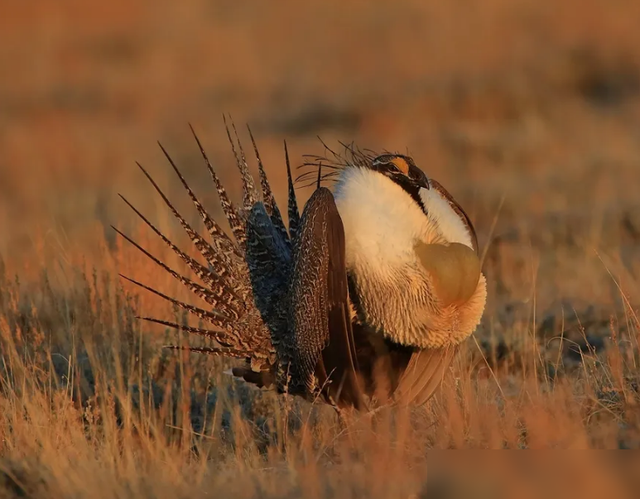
<point x="527" y="111"/>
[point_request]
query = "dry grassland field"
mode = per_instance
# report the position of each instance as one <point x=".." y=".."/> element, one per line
<point x="528" y="111"/>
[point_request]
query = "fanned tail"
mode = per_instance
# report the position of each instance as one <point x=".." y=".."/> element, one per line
<point x="228" y="285"/>
<point x="194" y="287"/>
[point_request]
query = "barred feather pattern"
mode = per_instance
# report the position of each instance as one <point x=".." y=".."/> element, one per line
<point x="249" y="192"/>
<point x="211" y="317"/>
<point x="194" y="287"/>
<point x="215" y="284"/>
<point x="226" y="250"/>
<point x="268" y="198"/>
<point x="231" y="213"/>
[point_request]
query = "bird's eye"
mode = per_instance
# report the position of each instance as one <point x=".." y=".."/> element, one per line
<point x="400" y="164"/>
<point x="392" y="163"/>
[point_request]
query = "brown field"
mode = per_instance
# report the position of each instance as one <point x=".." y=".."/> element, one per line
<point x="527" y="111"/>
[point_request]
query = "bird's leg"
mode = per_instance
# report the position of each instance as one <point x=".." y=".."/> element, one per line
<point x="342" y="418"/>
<point x="288" y="404"/>
<point x="347" y="418"/>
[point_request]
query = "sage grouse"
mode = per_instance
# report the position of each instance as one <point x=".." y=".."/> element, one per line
<point x="362" y="300"/>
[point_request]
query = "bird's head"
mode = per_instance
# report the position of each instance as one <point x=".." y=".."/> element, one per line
<point x="403" y="171"/>
<point x="389" y="195"/>
<point x="433" y="200"/>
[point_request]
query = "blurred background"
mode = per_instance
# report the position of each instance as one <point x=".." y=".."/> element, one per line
<point x="527" y="111"/>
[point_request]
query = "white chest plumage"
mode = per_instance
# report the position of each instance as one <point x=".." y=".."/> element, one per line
<point x="382" y="224"/>
<point x="381" y="220"/>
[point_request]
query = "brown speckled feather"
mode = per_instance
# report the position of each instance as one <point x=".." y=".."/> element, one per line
<point x="325" y="352"/>
<point x="235" y="222"/>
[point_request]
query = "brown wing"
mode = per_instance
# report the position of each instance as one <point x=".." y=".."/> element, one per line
<point x="325" y="355"/>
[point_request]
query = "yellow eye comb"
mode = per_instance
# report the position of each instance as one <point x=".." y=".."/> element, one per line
<point x="401" y="164"/>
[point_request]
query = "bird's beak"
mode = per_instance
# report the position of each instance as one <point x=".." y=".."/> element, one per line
<point x="423" y="182"/>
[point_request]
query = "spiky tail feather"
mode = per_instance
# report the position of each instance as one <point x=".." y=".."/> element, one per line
<point x="227" y="287"/>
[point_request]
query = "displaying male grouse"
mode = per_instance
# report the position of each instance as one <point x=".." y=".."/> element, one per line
<point x="362" y="300"/>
